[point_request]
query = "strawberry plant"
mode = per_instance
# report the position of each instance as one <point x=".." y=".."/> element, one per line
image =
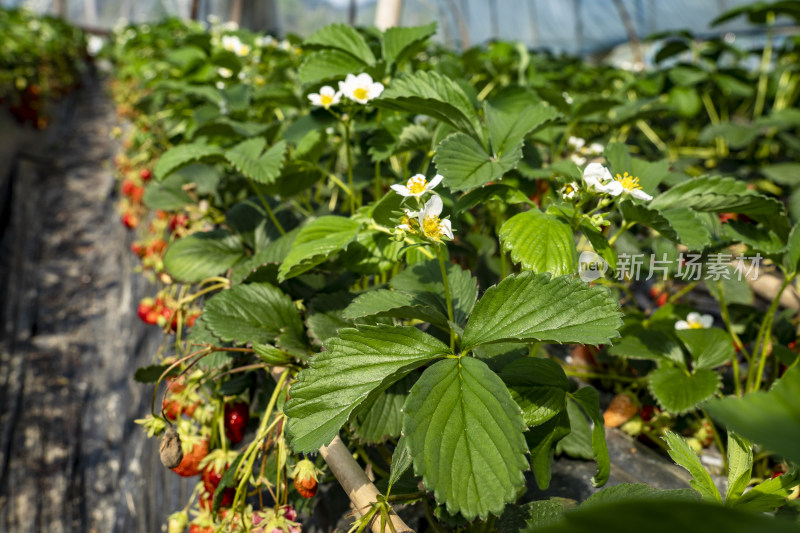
<point x="365" y="243"/>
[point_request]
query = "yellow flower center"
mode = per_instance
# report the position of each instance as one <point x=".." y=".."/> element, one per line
<point x="244" y="50"/>
<point x="568" y="189"/>
<point x="416" y="185"/>
<point x="431" y="226"/>
<point x="628" y="182"/>
<point x="694" y="324"/>
<point x="360" y="93"/>
<point x="326" y="99"/>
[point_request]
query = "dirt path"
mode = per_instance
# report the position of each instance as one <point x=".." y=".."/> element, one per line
<point x="71" y="458"/>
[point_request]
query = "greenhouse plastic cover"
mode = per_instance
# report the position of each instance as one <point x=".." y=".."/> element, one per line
<point x="573" y="26"/>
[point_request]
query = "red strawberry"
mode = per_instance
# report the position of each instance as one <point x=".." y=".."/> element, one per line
<point x="190" y="319"/>
<point x="648" y="412"/>
<point x="156" y="247"/>
<point x="138" y="249"/>
<point x="178" y="221"/>
<point x="145" y="308"/>
<point x="129" y="220"/>
<point x="136" y="194"/>
<point x="237" y="415"/>
<point x="197" y="528"/>
<point x="305" y="478"/>
<point x="127" y="187"/>
<point x="190" y="463"/>
<point x="174" y="408"/>
<point x="145" y="174"/>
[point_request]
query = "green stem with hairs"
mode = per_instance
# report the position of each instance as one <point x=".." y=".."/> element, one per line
<point x="267" y="207"/>
<point x="764" y="335"/>
<point x="766" y="58"/>
<point x="349" y="151"/>
<point x="448" y="297"/>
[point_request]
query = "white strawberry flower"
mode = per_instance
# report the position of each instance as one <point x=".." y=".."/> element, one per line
<point x="417" y="185"/>
<point x="409" y="221"/>
<point x="326" y="97"/>
<point x="599" y="179"/>
<point x="695" y="321"/>
<point x="233" y="44"/>
<point x="569" y="191"/>
<point x="431" y="225"/>
<point x="360" y="88"/>
<point x="630" y="184"/>
<point x="576" y="143"/>
<point x="225" y="72"/>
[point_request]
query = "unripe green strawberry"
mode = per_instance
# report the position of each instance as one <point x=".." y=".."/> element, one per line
<point x="177" y="522"/>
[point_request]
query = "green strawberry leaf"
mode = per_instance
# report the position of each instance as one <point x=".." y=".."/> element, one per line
<point x="317" y="241"/>
<point x="342" y="37"/>
<point x="709" y="347"/>
<point x="202" y="255"/>
<point x="257" y="312"/>
<point x="383" y="418"/>
<point x="539" y="386"/>
<point x="357" y="366"/>
<point x="322" y="65"/>
<point x="398" y="40"/>
<point x="589" y="401"/>
<point x="183" y="154"/>
<point x="679" y="392"/>
<point x="540" y="242"/>
<point x="465" y="433"/>
<point x="740" y="466"/>
<point x="530" y="307"/>
<point x="685" y="456"/>
<point x="771" y="419"/>
<point x="247" y="158"/>
<point x="437" y="96"/>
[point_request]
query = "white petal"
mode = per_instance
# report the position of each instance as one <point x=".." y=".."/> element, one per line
<point x="437" y="179"/>
<point x="596" y="148"/>
<point x="375" y="90"/>
<point x="315" y="99"/>
<point x="597" y="173"/>
<point x="681" y="324"/>
<point x="327" y="90"/>
<point x="363" y="79"/>
<point x="433" y="207"/>
<point x="577" y="142"/>
<point x="614" y="188"/>
<point x="578" y="160"/>
<point x="694" y="318"/>
<point x="401" y="190"/>
<point x="404" y="227"/>
<point x="640" y="195"/>
<point x="446" y="228"/>
<point x="707" y="321"/>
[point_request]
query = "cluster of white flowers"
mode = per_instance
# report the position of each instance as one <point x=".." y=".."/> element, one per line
<point x="695" y="321"/>
<point x="232" y="43"/>
<point x="599" y="180"/>
<point x="428" y="220"/>
<point x="581" y="152"/>
<point x="359" y="89"/>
